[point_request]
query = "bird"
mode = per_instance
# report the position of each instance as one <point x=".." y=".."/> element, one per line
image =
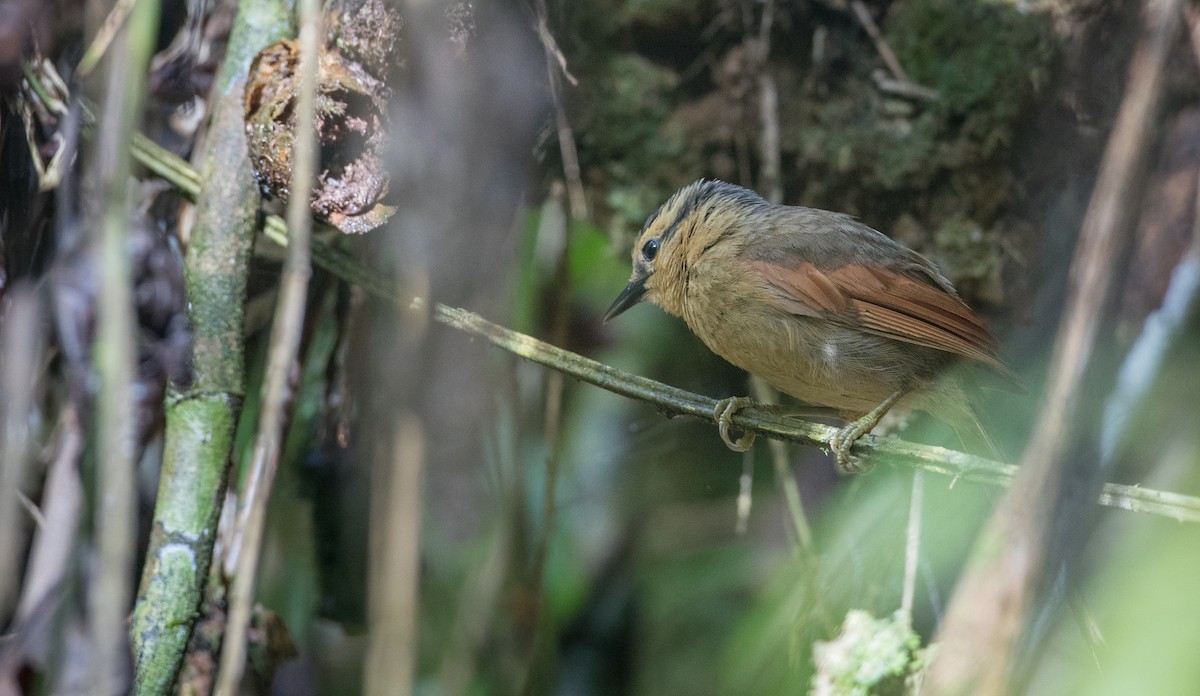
<point x="819" y="305"/>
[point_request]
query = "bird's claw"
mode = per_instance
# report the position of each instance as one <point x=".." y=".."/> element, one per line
<point x="844" y="439"/>
<point x="723" y="415"/>
<point x="840" y="444"/>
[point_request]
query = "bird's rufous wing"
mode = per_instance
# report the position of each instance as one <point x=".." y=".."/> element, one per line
<point x="884" y="302"/>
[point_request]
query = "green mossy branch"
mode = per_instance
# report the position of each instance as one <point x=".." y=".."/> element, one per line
<point x="201" y="419"/>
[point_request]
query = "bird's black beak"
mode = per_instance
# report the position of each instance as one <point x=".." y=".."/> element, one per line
<point x="631" y="295"/>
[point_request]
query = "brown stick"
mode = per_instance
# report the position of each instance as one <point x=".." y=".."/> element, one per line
<point x="284" y="345"/>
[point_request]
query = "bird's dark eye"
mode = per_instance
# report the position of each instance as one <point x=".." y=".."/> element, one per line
<point x="650" y="249"/>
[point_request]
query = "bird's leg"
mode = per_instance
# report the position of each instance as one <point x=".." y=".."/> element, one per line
<point x="723" y="415"/>
<point x="845" y="438"/>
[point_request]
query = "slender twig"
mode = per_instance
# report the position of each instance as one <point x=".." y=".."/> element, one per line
<point x="772" y="185"/>
<point x="48" y="96"/>
<point x="552" y="426"/>
<point x="284" y="345"/>
<point x="745" y="493"/>
<point x="912" y="543"/>
<point x="394" y="544"/>
<point x="553" y="52"/>
<point x="21" y="345"/>
<point x="863" y="15"/>
<point x="901" y="88"/>
<point x="476" y="607"/>
<point x="556" y="65"/>
<point x="770" y="179"/>
<point x="672" y="400"/>
<point x="764" y="393"/>
<point x="115" y="502"/>
<point x="769" y="184"/>
<point x="1191" y="14"/>
<point x="104" y="35"/>
<point x="556" y="69"/>
<point x="51" y="556"/>
<point x="31" y="508"/>
<point x="898" y="83"/>
<point x="791" y="496"/>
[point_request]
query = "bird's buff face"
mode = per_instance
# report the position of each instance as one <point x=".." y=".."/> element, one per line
<point x="660" y="254"/>
<point x="642" y="282"/>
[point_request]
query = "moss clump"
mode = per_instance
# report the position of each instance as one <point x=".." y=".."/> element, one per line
<point x="984" y="81"/>
<point x="986" y="59"/>
<point x="871" y="657"/>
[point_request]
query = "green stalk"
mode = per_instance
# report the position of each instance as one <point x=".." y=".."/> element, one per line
<point x="201" y="419"/>
<point x="114" y="418"/>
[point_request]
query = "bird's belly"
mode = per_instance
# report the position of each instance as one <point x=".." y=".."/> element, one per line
<point x="816" y="361"/>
